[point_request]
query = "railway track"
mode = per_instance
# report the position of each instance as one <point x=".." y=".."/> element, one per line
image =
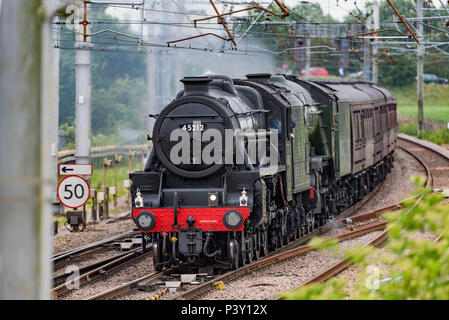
<point x="259" y="265"/>
<point x="71" y="254"/>
<point x="101" y="266"/>
<point x="114" y="261"/>
<point x="93" y="274"/>
<point x="129" y="286"/>
<point x="289" y="251"/>
<point x="201" y="289"/>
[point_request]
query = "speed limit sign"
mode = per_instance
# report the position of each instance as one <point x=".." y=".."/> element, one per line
<point x="73" y="192"/>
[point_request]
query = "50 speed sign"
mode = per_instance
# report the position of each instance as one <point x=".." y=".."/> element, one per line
<point x="73" y="192"/>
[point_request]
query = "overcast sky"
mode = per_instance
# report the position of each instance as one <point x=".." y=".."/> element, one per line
<point x="338" y="11"/>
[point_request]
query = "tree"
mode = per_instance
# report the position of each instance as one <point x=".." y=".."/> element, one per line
<point x="398" y="73"/>
<point x="118" y="106"/>
<point x="118" y="82"/>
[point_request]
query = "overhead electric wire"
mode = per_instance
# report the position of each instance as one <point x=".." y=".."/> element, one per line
<point x="118" y="41"/>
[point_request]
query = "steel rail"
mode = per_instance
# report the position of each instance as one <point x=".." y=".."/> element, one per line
<point x="103" y="270"/>
<point x="129" y="286"/>
<point x="126" y="287"/>
<point x="59" y="278"/>
<point x="68" y="254"/>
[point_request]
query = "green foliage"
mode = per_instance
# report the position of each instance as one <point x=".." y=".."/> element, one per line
<point x="61" y="220"/>
<point x="401" y="73"/>
<point x="435" y="95"/>
<point x="118" y="106"/>
<point x="408" y="128"/>
<point x="118" y="83"/>
<point x="97" y="179"/>
<point x="101" y="140"/>
<point x="431" y="112"/>
<point x="419" y="267"/>
<point x="322" y="243"/>
<point x="334" y="291"/>
<point x="436" y="108"/>
<point x="406" y="8"/>
<point x="438" y="136"/>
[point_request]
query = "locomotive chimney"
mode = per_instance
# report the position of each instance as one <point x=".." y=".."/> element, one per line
<point x="196" y="85"/>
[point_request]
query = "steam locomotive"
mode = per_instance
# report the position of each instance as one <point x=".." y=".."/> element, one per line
<point x="330" y="142"/>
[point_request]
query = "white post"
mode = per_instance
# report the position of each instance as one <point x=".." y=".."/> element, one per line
<point x="420" y="66"/>
<point x="375" y="77"/>
<point x="83" y="98"/>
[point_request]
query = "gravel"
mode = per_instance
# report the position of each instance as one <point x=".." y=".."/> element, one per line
<point x="438" y="165"/>
<point x="129" y="273"/>
<point x="397" y="184"/>
<point x="284" y="276"/>
<point x="92" y="233"/>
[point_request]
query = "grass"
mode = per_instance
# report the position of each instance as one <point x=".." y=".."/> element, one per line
<point x="439" y="136"/>
<point x="436" y="101"/>
<point x="436" y="107"/>
<point x="431" y="112"/>
<point x="97" y="179"/>
<point x="61" y="220"/>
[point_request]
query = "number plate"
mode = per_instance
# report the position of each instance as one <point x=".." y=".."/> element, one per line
<point x="191" y="127"/>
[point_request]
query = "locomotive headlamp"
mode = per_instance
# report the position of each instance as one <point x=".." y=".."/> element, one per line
<point x="232" y="219"/>
<point x="213" y="199"/>
<point x="243" y="199"/>
<point x="138" y="201"/>
<point x="146" y="220"/>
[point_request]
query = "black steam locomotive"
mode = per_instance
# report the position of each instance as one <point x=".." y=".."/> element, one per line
<point x="330" y="143"/>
